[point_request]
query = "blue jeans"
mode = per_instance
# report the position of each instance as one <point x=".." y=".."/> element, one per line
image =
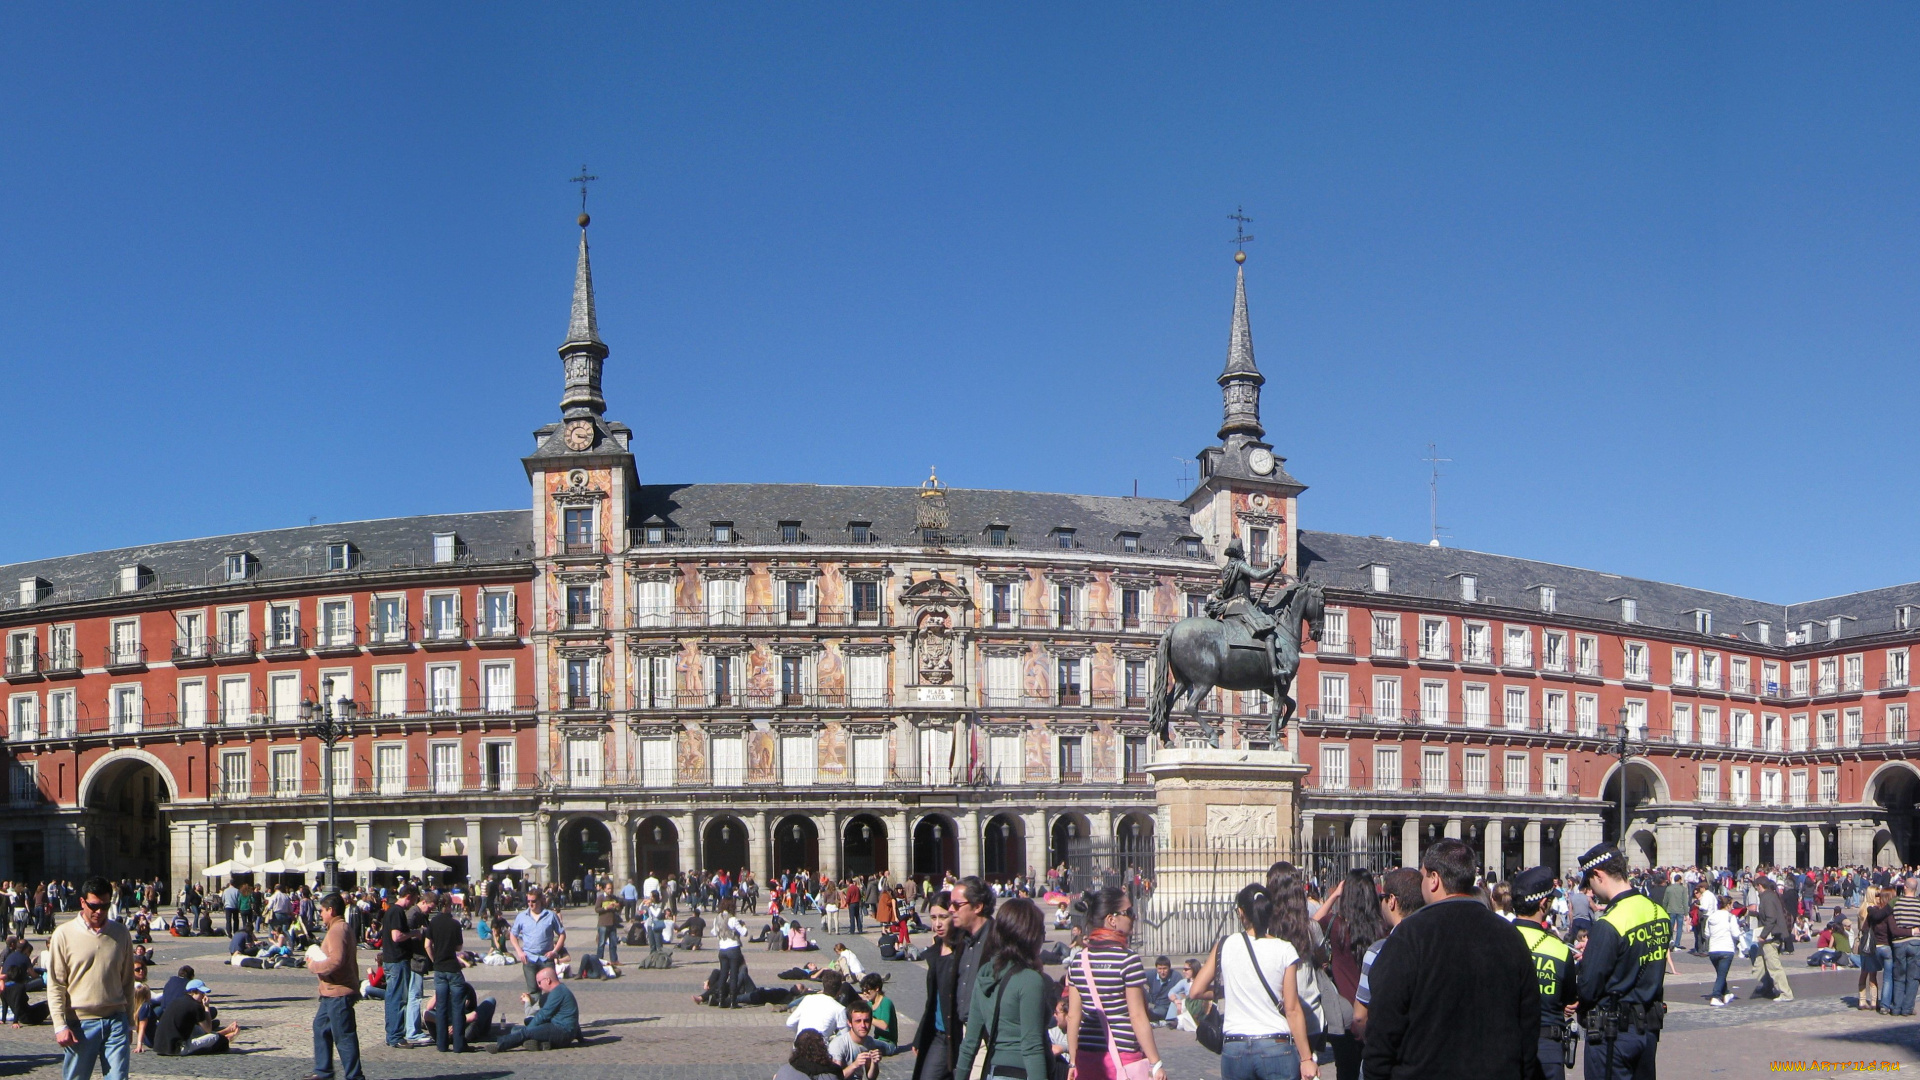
<point x="334" y="1029"/>
<point x="551" y="1034"/>
<point x="608" y="947"/>
<point x="449" y="992"/>
<point x="107" y="1041"/>
<point x="1262" y="1059"/>
<point x="1721" y="962"/>
<point x="1906" y="977"/>
<point x="399" y="991"/>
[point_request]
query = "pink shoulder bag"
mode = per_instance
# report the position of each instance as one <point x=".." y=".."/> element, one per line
<point x="1122" y="1070"/>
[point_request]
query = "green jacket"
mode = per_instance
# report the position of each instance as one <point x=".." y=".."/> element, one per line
<point x="1021" y="1038"/>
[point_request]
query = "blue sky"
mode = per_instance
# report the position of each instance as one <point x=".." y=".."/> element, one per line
<point x="1646" y="273"/>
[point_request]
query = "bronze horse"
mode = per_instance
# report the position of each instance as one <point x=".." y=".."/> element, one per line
<point x="1200" y="654"/>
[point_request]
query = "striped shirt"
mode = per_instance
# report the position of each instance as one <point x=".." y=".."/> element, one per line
<point x="1114" y="969"/>
<point x="1906" y="914"/>
<point x="1364" y="994"/>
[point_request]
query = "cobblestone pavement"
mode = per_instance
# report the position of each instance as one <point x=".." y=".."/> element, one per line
<point x="647" y="1025"/>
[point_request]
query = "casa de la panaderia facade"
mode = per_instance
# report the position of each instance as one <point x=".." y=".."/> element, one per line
<point x="645" y="677"/>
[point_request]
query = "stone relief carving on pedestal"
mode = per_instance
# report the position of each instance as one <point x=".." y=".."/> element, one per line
<point x="1231" y="824"/>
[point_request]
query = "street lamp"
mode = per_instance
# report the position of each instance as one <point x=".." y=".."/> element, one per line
<point x="330" y="722"/>
<point x="1624" y="744"/>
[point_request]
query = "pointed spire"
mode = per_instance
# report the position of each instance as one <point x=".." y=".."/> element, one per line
<point x="1240" y="382"/>
<point x="584" y="327"/>
<point x="583" y="352"/>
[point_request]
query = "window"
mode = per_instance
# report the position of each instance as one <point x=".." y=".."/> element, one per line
<point x="1742" y="729"/>
<point x="446" y="547"/>
<point x="729" y="754"/>
<point x="860" y="532"/>
<point x="233" y="773"/>
<point x="389" y="619"/>
<point x="283" y="697"/>
<point x="583" y="763"/>
<point x="1799" y="678"/>
<point x="1547" y="599"/>
<point x="496" y="613"/>
<point x="443" y="610"/>
<point x="582" y="685"/>
<point x="1386" y="635"/>
<point x="1333" y="634"/>
<point x="124" y="707"/>
<point x="1196" y="605"/>
<point x="1469" y="588"/>
<point x="1476" y="643"/>
<point x="1636" y="719"/>
<point x="1130" y="608"/>
<point x="1709" y="671"/>
<point x="1797" y="787"/>
<point x="1829" y="785"/>
<point x="1833" y="627"/>
<point x="340" y="769"/>
<point x="1629" y="609"/>
<point x="1519" y="647"/>
<point x="1515" y="774"/>
<point x="1191" y="547"/>
<point x="1553" y="775"/>
<point x="1553" y="710"/>
<point x="1135" y="675"/>
<point x="1134" y="756"/>
<point x="1333" y="768"/>
<point x="1333" y="696"/>
<point x="724" y="604"/>
<point x="1386" y="768"/>
<point x="866" y="600"/>
<point x="1004" y="603"/>
<point x="1433" y="702"/>
<point x="1586" y="655"/>
<point x="342" y="556"/>
<point x="336" y="622"/>
<point x="193" y="703"/>
<point x="653" y="534"/>
<point x="867" y="679"/>
<point x="1475" y="772"/>
<point x="1896" y="723"/>
<point x="1433" y="640"/>
<point x="1386" y="697"/>
<point x="1381" y="579"/>
<point x="1903" y="617"/>
<point x="1063" y="604"/>
<point x="580" y="606"/>
<point x="1709" y="783"/>
<point x="446" y="767"/>
<point x="1586" y="715"/>
<point x="1433" y="769"/>
<point x="1742" y="785"/>
<point x="936" y="756"/>
<point x="1515" y="712"/>
<point x="125" y="647"/>
<point x="390" y="768"/>
<point x="1896" y="667"/>
<point x="793" y="680"/>
<point x="1829" y="730"/>
<point x="1553" y="652"/>
<point x="1853" y="727"/>
<point x="1259" y="547"/>
<point x="1069" y="681"/>
<point x="23" y="718"/>
<point x="1740" y="674"/>
<point x="1130" y="543"/>
<point x="870" y="761"/>
<point x="234" y="700"/>
<point x="721" y="679"/>
<point x="26" y="783"/>
<point x="496" y="687"/>
<point x="240" y="566"/>
<point x="797" y="760"/>
<point x="1069" y="748"/>
<point x="496" y="764"/>
<point x="1006" y="759"/>
<point x="723" y="532"/>
<point x="1475" y="704"/>
<point x="1063" y="538"/>
<point x="1683" y="723"/>
<point x="1769" y="787"/>
<point x="1853" y="677"/>
<point x="997" y="536"/>
<point x="1637" y="668"/>
<point x="789" y="532"/>
<point x="1703" y="622"/>
<point x="1683" y="667"/>
<point x="1003" y="680"/>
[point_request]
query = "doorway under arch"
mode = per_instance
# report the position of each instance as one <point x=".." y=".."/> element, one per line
<point x="1003" y="850"/>
<point x="1897" y="789"/>
<point x="936" y="848"/>
<point x="863" y="846"/>
<point x="1644" y="787"/>
<point x="656" y="846"/>
<point x="586" y="847"/>
<point x="723" y="846"/>
<point x="1069" y="840"/>
<point x="796" y="845"/>
<point x="125" y="817"/>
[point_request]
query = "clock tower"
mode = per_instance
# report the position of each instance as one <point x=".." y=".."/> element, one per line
<point x="1244" y="488"/>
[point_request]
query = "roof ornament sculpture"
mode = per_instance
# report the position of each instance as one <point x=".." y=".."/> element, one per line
<point x="931" y="515"/>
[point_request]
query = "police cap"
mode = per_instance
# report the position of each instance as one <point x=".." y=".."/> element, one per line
<point x="1599" y="855"/>
<point x="1533" y="884"/>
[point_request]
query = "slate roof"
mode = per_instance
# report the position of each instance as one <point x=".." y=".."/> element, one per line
<point x="492" y="536"/>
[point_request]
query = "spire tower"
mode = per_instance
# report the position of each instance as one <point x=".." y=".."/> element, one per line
<point x="1240" y="382"/>
<point x="583" y="353"/>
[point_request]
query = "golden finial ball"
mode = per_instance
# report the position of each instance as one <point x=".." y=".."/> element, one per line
<point x="1238" y="256"/>
<point x="584" y="220"/>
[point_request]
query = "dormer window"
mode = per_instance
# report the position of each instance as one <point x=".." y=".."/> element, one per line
<point x="1130" y="543"/>
<point x="1190" y="546"/>
<point x="342" y="556"/>
<point x="1469" y="588"/>
<point x="1063" y="537"/>
<point x="1549" y="600"/>
<point x="789" y="532"/>
<point x="446" y="548"/>
<point x="860" y="532"/>
<point x="241" y="565"/>
<point x="653" y="534"/>
<point x="33" y="590"/>
<point x="1629" y="609"/>
<point x="1703" y="622"/>
<point x="1765" y="631"/>
<point x="1833" y="628"/>
<point x="1903" y="617"/>
<point x="723" y="532"/>
<point x="1382" y="581"/>
<point x="996" y="536"/>
<point x="133" y="579"/>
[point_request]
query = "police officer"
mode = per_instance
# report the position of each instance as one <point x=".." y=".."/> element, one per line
<point x="1622" y="977"/>
<point x="1552" y="963"/>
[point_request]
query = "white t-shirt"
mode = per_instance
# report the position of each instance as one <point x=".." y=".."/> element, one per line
<point x="1247" y="1008"/>
<point x="730" y="933"/>
<point x="819" y="1012"/>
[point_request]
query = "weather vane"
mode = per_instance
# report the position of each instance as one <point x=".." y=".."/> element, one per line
<point x="583" y="180"/>
<point x="1240" y="222"/>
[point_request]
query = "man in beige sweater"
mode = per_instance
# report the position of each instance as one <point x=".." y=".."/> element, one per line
<point x="334" y="1026"/>
<point x="90" y="988"/>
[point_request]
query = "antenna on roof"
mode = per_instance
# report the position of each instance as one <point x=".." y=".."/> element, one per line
<point x="1434" y="459"/>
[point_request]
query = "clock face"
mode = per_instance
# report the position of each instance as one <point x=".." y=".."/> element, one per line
<point x="579" y="435"/>
<point x="1261" y="461"/>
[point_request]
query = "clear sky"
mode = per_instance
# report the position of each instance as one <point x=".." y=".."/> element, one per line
<point x="1646" y="273"/>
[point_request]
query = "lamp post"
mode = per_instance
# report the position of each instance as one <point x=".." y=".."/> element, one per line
<point x="1624" y="744"/>
<point x="329" y="721"/>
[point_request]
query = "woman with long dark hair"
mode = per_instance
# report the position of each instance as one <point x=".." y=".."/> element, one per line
<point x="1252" y="973"/>
<point x="809" y="1060"/>
<point x="1291" y="922"/>
<point x="1008" y="1017"/>
<point x="1108" y="1029"/>
<point x="1353" y="922"/>
<point x="935" y="1040"/>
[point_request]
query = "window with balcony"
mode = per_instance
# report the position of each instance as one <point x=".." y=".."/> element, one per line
<point x="1475" y="704"/>
<point x="1259" y="547"/>
<point x="655" y="682"/>
<point x="1853" y="673"/>
<point x="1333" y="768"/>
<point x="124" y="643"/>
<point x="583" y="763"/>
<point x="1553" y="710"/>
<point x="1586" y="655"/>
<point x="1829" y="786"/>
<point x="1742" y="729"/>
<point x="799" y="601"/>
<point x="1135" y="756"/>
<point x="580" y="613"/>
<point x="1475" y="772"/>
<point x="1433" y="770"/>
<point x="1386" y="768"/>
<point x="22" y="656"/>
<point x="721" y="679"/>
<point x="1553" y="775"/>
<point x="1770" y="787"/>
<point x="1071" y="764"/>
<point x="1005" y="603"/>
<point x="1709" y="671"/>
<point x="793" y="683"/>
<point x="1797" y="732"/>
<point x="446" y="768"/>
<point x="496" y="765"/>
<point x="1709" y="725"/>
<point x="1333" y="631"/>
<point x="1740" y="675"/>
<point x="936" y="757"/>
<point x="1065" y="605"/>
<point x="724" y="603"/>
<point x="1476" y="643"/>
<point x="1770" y="679"/>
<point x="1853" y="725"/>
<point x="1519" y="647"/>
<point x="1709" y="783"/>
<point x="1553" y="650"/>
<point x="23" y="717"/>
<point x="1433" y="640"/>
<point x="1386" y="697"/>
<point x="1433" y="702"/>
<point x="1515" y="773"/>
<point x="729" y="756"/>
<point x="1586" y="715"/>
<point x="233" y="773"/>
<point x="1636" y="719"/>
<point x="1136" y="683"/>
<point x="1006" y="759"/>
<point x="283" y="697"/>
<point x="443" y="689"/>
<point x="390" y="768"/>
<point x="1683" y="667"/>
<point x="1003" y="679"/>
<point x="583" y="689"/>
<point x="1638" y="668"/>
<point x="1130" y="608"/>
<point x="1333" y="696"/>
<point x="799" y="760"/>
<point x="1514" y="711"/>
<point x="1896" y="723"/>
<point x="1829" y="675"/>
<point x="496" y="686"/>
<point x="1683" y="723"/>
<point x="389" y="620"/>
<point x="190" y="635"/>
<point x="1800" y="682"/>
<point x="1742" y="790"/>
<point x="1068" y="672"/>
<point x="870" y="761"/>
<point x="336" y="623"/>
<point x="1386" y="635"/>
<point x="866" y="601"/>
<point x="1829" y="730"/>
<point x="1896" y="668"/>
<point x="1797" y="787"/>
<point x="867" y="680"/>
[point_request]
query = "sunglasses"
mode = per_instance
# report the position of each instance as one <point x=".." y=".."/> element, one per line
<point x="92" y="906"/>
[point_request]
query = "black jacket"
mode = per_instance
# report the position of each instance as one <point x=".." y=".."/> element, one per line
<point x="943" y="976"/>
<point x="1454" y="994"/>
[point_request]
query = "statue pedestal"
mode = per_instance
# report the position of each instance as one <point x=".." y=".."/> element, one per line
<point x="1226" y="799"/>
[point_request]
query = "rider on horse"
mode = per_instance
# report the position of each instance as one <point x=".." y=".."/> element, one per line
<point x="1233" y="601"/>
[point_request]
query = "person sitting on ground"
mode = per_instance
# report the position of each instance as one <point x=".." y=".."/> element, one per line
<point x="886" y="1019"/>
<point x="17" y="979"/>
<point x="797" y="939"/>
<point x="239" y="945"/>
<point x="810" y="1060"/>
<point x="692" y="931"/>
<point x="1159" y="984"/>
<point x="186" y="1025"/>
<point x="822" y="1010"/>
<point x="557" y="1024"/>
<point x="847" y="964"/>
<point x="479" y="1014"/>
<point x="774" y="934"/>
<point x="855" y="1050"/>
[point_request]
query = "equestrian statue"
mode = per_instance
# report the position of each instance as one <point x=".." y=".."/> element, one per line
<point x="1241" y="644"/>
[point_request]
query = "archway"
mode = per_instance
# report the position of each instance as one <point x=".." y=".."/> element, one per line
<point x="1645" y="786"/>
<point x="1133" y="844"/>
<point x="1550" y="845"/>
<point x="723" y="846"/>
<point x="1070" y="844"/>
<point x="656" y="844"/>
<point x="936" y="849"/>
<point x="796" y="846"/>
<point x="586" y="848"/>
<point x="863" y="846"/>
<point x="1896" y="788"/>
<point x="1003" y="850"/>
<point x="125" y="801"/>
<point x="1644" y="852"/>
